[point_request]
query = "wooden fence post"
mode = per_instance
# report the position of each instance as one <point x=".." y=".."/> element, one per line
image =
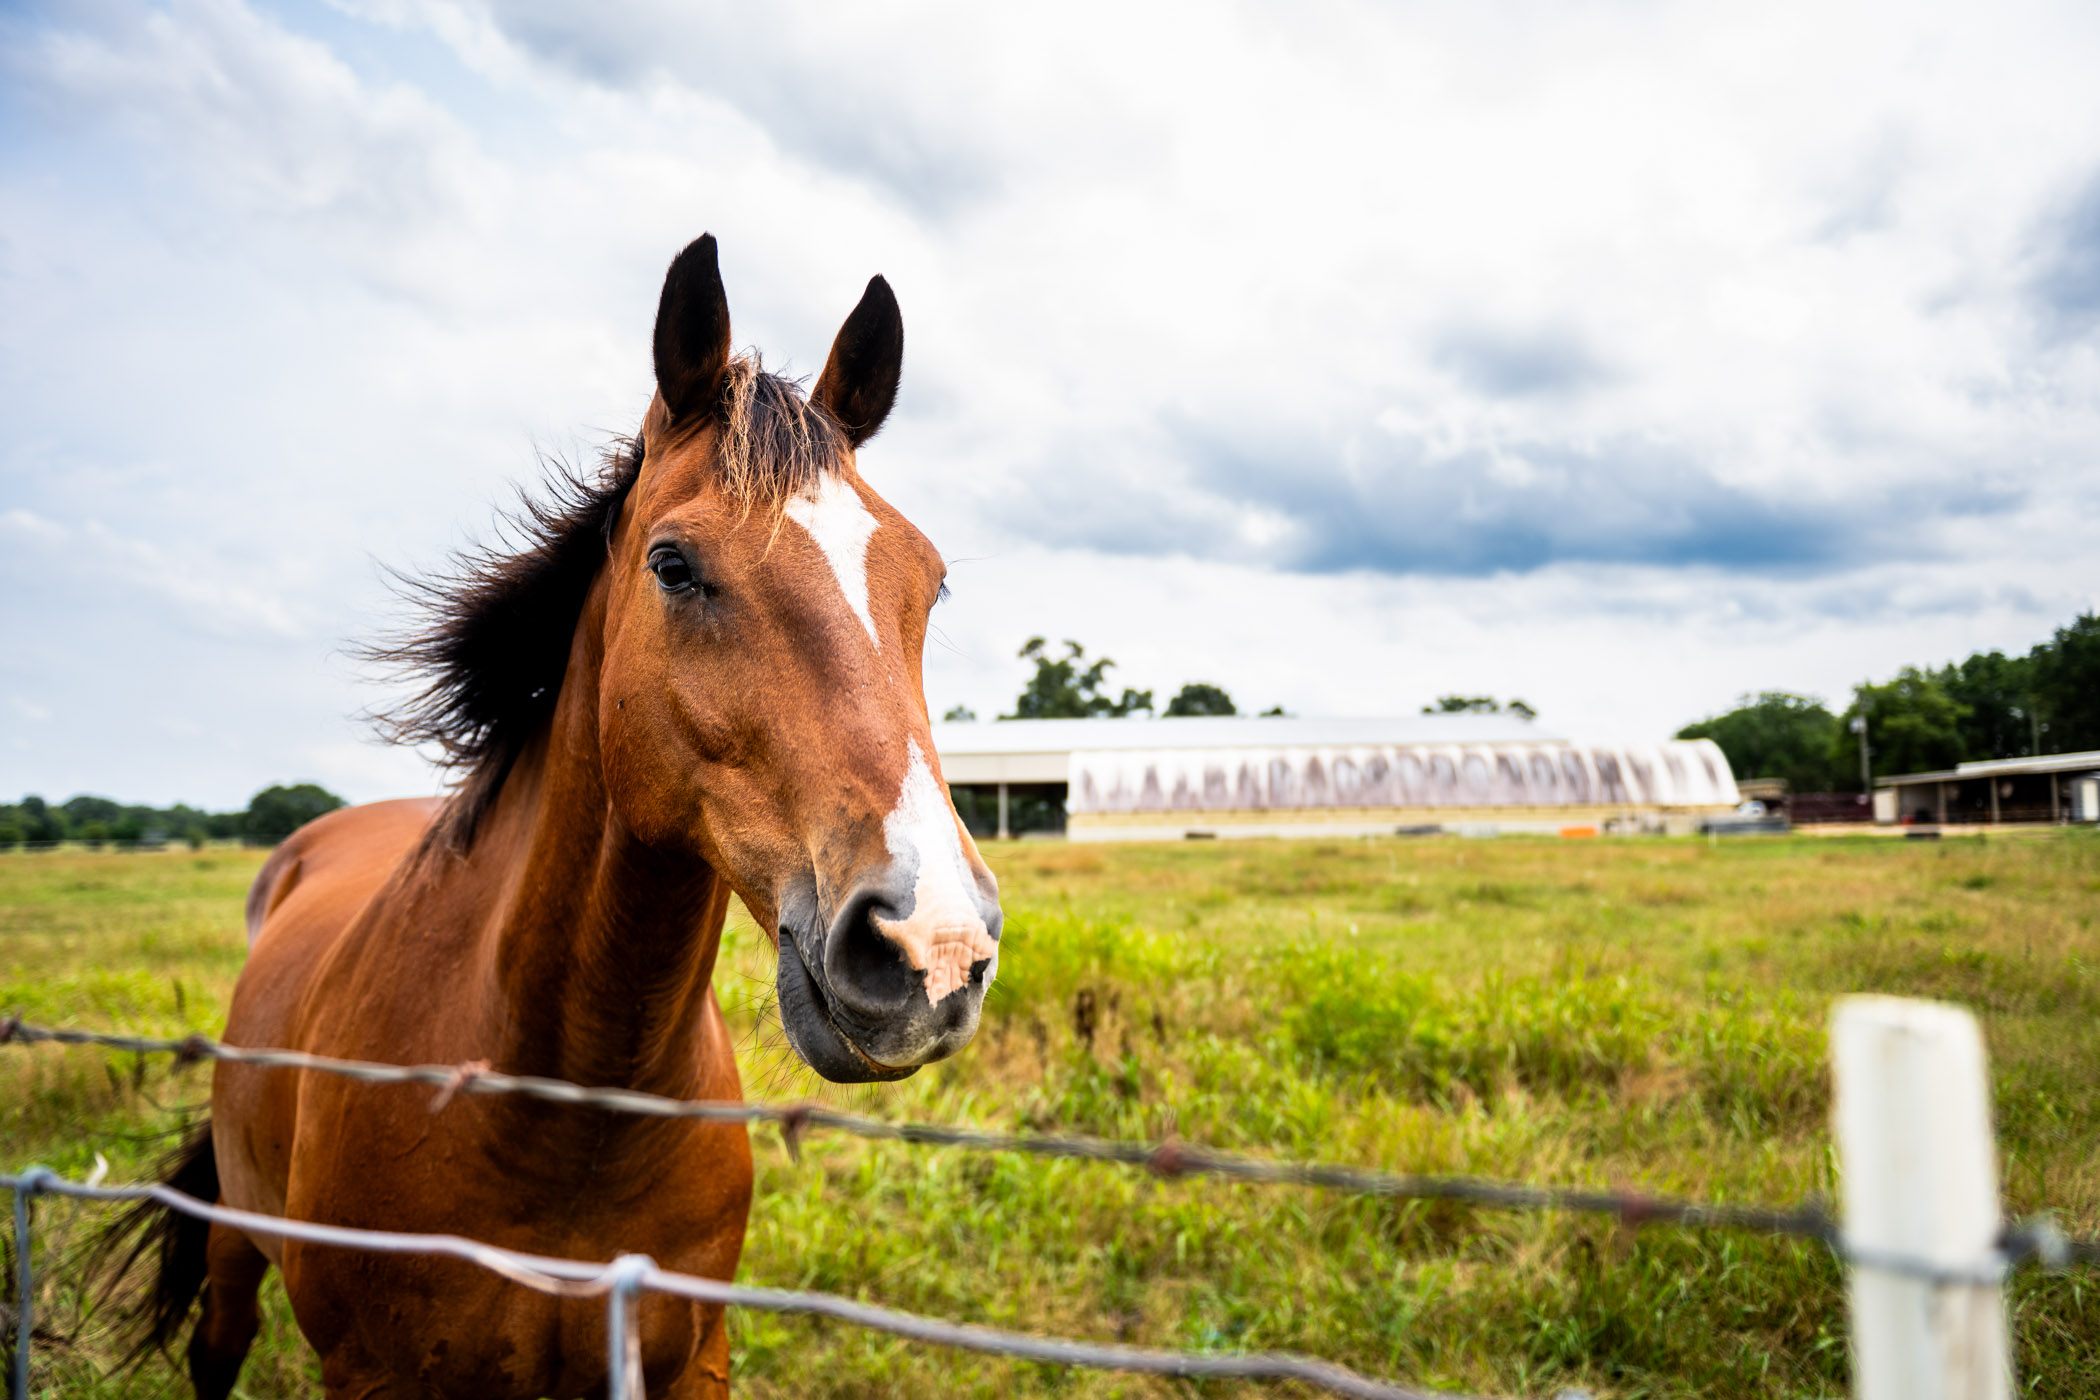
<point x="1921" y="1183"/>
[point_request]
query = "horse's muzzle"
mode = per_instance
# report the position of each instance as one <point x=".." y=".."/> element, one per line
<point x="864" y="1005"/>
<point x="806" y="1017"/>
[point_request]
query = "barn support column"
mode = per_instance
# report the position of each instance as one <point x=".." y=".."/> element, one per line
<point x="1003" y="833"/>
<point x="2054" y="810"/>
<point x="1941" y="788"/>
<point x="1994" y="801"/>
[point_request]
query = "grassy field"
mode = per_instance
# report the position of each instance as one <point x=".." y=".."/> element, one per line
<point x="1644" y="1012"/>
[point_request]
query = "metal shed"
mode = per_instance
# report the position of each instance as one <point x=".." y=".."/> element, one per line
<point x="2046" y="788"/>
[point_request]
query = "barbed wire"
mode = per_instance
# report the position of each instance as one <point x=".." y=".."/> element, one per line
<point x="2037" y="1239"/>
<point x="620" y="1280"/>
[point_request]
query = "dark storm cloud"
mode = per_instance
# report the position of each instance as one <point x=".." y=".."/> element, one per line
<point x="1395" y="509"/>
<point x="1622" y="503"/>
<point x="2066" y="288"/>
<point x="838" y="110"/>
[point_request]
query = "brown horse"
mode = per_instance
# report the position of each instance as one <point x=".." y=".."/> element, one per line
<point x="700" y="676"/>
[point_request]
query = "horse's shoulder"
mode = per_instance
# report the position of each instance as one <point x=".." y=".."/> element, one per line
<point x="341" y="855"/>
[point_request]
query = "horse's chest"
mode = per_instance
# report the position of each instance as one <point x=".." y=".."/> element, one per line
<point x="461" y="1330"/>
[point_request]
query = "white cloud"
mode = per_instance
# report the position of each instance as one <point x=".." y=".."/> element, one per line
<point x="1612" y="651"/>
<point x="227" y="607"/>
<point x="273" y="126"/>
<point x="1765" y="249"/>
<point x="29" y="526"/>
<point x="1373" y="351"/>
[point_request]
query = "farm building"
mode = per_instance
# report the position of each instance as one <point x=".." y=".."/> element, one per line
<point x="1164" y="779"/>
<point x="2050" y="787"/>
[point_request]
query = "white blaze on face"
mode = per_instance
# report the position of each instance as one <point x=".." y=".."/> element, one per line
<point x="841" y="524"/>
<point x="945" y="933"/>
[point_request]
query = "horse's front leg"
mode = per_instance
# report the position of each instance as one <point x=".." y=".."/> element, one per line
<point x="706" y="1373"/>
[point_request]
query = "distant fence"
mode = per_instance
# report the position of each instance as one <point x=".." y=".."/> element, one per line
<point x="142" y="843"/>
<point x="1922" y="1235"/>
<point x="1817" y="808"/>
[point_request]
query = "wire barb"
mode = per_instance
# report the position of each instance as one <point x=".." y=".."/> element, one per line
<point x="1169" y="1159"/>
<point x="462" y="1075"/>
<point x="794" y="1121"/>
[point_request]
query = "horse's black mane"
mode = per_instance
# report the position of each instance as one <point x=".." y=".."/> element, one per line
<point x="491" y="645"/>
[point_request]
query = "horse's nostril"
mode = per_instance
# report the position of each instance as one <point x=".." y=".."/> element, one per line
<point x="867" y="971"/>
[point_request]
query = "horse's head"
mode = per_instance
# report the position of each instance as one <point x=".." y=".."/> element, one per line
<point x="761" y="704"/>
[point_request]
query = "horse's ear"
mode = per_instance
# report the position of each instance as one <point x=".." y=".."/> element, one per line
<point x="692" y="331"/>
<point x="859" y="382"/>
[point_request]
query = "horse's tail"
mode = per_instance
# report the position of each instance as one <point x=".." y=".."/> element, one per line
<point x="170" y="1244"/>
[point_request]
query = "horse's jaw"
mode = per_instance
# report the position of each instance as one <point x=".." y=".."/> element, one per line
<point x="807" y="1019"/>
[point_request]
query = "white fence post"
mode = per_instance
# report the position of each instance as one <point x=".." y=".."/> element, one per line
<point x="1921" y="1183"/>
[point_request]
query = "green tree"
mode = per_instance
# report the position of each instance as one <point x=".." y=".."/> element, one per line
<point x="1060" y="689"/>
<point x="277" y="812"/>
<point x="1478" y="705"/>
<point x="1201" y="698"/>
<point x="959" y="714"/>
<point x="183" y="822"/>
<point x="1913" y="726"/>
<point x="1999" y="693"/>
<point x="84" y="809"/>
<point x="2066" y="671"/>
<point x="42" y="822"/>
<point x="1776" y="735"/>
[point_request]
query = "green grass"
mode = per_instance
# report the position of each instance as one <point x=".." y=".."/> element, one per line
<point x="1642" y="1012"/>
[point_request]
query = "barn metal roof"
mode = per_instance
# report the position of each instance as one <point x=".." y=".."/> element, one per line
<point x="2000" y="768"/>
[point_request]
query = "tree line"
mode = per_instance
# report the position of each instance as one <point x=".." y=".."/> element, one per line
<point x="271" y="815"/>
<point x="1072" y="687"/>
<point x="1923" y="720"/>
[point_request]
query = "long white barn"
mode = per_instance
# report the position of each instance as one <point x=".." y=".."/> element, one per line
<point x="1165" y="779"/>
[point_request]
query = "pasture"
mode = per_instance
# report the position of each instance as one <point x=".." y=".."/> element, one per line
<point x="1642" y="1012"/>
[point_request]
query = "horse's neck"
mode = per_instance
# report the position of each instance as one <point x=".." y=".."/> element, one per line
<point x="602" y="950"/>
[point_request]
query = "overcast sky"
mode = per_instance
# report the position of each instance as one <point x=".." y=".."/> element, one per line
<point x="1624" y="357"/>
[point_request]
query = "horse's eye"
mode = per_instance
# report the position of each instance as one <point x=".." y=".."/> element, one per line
<point x="673" y="574"/>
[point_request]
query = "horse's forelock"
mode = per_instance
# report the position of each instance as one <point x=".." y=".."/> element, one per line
<point x="775" y="444"/>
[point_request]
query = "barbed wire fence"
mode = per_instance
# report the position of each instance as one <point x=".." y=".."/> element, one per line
<point x="1916" y="1260"/>
<point x="630" y="1275"/>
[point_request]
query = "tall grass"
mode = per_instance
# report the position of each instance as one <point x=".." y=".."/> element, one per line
<point x="1640" y="1012"/>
